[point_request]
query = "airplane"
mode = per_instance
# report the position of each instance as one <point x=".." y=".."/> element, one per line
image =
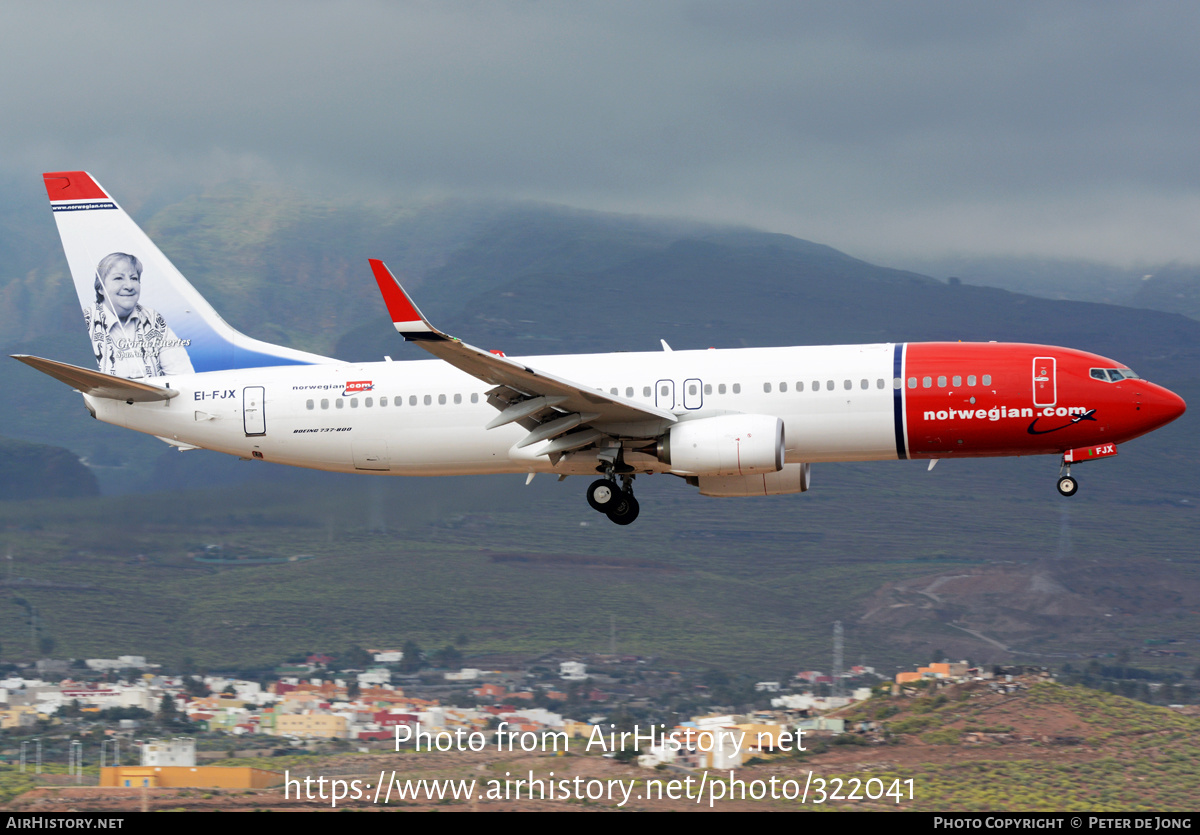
<point x="731" y="422"/>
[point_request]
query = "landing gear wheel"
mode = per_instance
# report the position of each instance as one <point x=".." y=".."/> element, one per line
<point x="602" y="493"/>
<point x="624" y="510"/>
<point x="1067" y="486"/>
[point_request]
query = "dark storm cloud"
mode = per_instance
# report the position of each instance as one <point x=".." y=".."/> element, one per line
<point x="1055" y="129"/>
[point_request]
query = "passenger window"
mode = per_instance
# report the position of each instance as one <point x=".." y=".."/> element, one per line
<point x="428" y="400"/>
<point x="927" y="382"/>
<point x="767" y="388"/>
<point x="721" y="388"/>
<point x="708" y="388"/>
<point x="646" y="391"/>
<point x="829" y="385"/>
<point x="457" y="399"/>
<point x="783" y="387"/>
<point x="353" y="402"/>
<point x="412" y="400"/>
<point x="474" y="397"/>
<point x="324" y="403"/>
<point x="629" y="391"/>
<point x="737" y="388"/>
<point x="941" y="382"/>
<point x="799" y="386"/>
<point x="971" y="380"/>
<point x="383" y="401"/>
<point x="879" y="383"/>
<point x="665" y="390"/>
<point x="310" y="405"/>
<point x="864" y="385"/>
<point x="398" y="401"/>
<point x="987" y="379"/>
<point x="441" y="400"/>
<point x="613" y="391"/>
<point x="912" y="382"/>
<point x="370" y="401"/>
<point x="847" y="385"/>
<point x="692" y="389"/>
<point x="957" y="381"/>
<point x="341" y="404"/>
<point x="897" y="383"/>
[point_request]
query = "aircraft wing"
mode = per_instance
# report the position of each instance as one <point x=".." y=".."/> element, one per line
<point x="97" y="383"/>
<point x="547" y="405"/>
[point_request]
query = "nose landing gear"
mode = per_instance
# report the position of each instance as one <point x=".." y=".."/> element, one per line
<point x="617" y="503"/>
<point x="1067" y="486"/>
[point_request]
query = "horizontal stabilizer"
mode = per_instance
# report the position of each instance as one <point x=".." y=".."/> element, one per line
<point x="98" y="384"/>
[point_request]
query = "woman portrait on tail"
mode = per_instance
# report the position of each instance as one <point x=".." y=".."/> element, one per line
<point x="129" y="339"/>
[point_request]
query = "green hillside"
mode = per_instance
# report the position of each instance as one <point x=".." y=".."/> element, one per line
<point x="38" y="471"/>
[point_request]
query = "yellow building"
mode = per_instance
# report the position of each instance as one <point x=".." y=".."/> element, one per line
<point x="20" y="716"/>
<point x="576" y="730"/>
<point x="323" y="725"/>
<point x="182" y="776"/>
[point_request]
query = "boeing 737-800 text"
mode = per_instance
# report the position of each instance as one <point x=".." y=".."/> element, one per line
<point x="732" y="422"/>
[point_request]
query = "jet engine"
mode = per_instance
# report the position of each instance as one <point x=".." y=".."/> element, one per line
<point x="725" y="445"/>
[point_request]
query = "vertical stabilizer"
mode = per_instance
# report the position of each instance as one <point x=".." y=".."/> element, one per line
<point x="142" y="316"/>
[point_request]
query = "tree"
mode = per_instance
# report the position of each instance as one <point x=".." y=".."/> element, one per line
<point x="414" y="659"/>
<point x="447" y="656"/>
<point x="167" y="713"/>
<point x="356" y="658"/>
<point x="195" y="687"/>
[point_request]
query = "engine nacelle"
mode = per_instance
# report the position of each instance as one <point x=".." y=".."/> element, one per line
<point x="793" y="478"/>
<point x="725" y="445"/>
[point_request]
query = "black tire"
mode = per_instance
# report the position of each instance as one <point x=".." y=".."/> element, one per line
<point x="1068" y="486"/>
<point x="625" y="510"/>
<point x="602" y="493"/>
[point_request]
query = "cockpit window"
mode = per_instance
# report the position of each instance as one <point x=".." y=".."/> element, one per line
<point x="1113" y="375"/>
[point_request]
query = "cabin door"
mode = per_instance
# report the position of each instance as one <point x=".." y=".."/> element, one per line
<point x="1045" y="386"/>
<point x="254" y="416"/>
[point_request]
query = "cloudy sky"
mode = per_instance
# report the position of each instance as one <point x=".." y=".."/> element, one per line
<point x="889" y="130"/>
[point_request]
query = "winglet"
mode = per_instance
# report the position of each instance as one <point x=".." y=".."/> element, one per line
<point x="405" y="316"/>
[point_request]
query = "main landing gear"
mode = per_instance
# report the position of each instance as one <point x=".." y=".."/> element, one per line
<point x="617" y="503"/>
<point x="1067" y="486"/>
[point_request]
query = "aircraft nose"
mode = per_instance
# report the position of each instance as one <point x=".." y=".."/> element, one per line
<point x="1162" y="405"/>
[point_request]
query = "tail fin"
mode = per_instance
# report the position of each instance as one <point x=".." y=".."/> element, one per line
<point x="143" y="317"/>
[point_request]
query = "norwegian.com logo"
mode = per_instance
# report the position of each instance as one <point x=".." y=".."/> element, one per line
<point x="357" y="387"/>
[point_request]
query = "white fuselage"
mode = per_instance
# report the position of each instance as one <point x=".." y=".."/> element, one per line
<point x="425" y="418"/>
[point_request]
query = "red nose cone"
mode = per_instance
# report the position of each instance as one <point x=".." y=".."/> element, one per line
<point x="1161" y="405"/>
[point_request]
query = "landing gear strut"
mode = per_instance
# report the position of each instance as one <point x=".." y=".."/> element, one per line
<point x="615" y="502"/>
<point x="1067" y="486"/>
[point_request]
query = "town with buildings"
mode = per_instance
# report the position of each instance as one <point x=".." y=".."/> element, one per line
<point x="144" y="727"/>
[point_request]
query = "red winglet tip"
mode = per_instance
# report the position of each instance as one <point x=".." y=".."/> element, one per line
<point x="398" y="305"/>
